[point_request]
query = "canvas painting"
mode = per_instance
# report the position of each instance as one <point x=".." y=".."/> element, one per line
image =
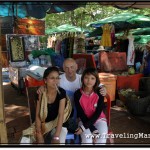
<point x="17" y="51"/>
<point x="31" y="43"/>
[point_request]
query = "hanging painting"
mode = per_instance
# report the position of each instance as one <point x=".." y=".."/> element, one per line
<point x="17" y="51"/>
<point x="31" y="42"/>
<point x="29" y="26"/>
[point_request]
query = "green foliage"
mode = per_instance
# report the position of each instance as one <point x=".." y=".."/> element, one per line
<point x="82" y="16"/>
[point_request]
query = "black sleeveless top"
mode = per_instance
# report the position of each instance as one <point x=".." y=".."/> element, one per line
<point x="54" y="107"/>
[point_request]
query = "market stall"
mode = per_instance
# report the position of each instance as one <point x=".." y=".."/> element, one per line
<point x="23" y="39"/>
<point x="121" y="56"/>
<point x="22" y="10"/>
<point x="8" y="9"/>
<point x="66" y="40"/>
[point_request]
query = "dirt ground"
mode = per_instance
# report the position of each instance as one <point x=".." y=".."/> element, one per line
<point x="122" y="122"/>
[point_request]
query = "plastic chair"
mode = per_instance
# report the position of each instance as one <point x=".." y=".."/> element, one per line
<point x="110" y="140"/>
<point x="108" y="109"/>
<point x="71" y="137"/>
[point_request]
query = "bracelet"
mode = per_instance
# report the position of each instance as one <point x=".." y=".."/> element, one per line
<point x="82" y="127"/>
<point x="56" y="138"/>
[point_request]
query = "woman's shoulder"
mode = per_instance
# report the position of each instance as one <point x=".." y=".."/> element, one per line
<point x="61" y="93"/>
<point x="61" y="89"/>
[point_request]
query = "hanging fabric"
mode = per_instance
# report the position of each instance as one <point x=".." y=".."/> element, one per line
<point x="112" y="34"/>
<point x="79" y="43"/>
<point x="106" y="37"/>
<point x="131" y="51"/>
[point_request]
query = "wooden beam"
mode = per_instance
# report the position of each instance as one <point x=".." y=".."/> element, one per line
<point x="3" y="132"/>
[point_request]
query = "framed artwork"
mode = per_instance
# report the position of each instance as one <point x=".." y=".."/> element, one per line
<point x="29" y="26"/>
<point x="31" y="43"/>
<point x="17" y="50"/>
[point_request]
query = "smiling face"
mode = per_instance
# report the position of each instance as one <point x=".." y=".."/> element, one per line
<point x="70" y="68"/>
<point x="51" y="77"/>
<point x="90" y="78"/>
<point x="89" y="81"/>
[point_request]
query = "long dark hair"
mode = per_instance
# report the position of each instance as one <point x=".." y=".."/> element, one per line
<point x="49" y="70"/>
<point x="94" y="72"/>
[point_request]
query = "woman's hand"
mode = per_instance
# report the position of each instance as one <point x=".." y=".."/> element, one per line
<point x="54" y="141"/>
<point x="39" y="137"/>
<point x="40" y="90"/>
<point x="38" y="130"/>
<point x="78" y="131"/>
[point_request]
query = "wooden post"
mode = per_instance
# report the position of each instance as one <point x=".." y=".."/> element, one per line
<point x="3" y="130"/>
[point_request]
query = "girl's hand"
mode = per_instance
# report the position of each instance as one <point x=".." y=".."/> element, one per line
<point x="78" y="131"/>
<point x="40" y="90"/>
<point x="94" y="140"/>
<point x="103" y="91"/>
<point x="95" y="133"/>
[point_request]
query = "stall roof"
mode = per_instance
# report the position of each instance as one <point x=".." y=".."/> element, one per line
<point x="123" y="19"/>
<point x="127" y="4"/>
<point x="36" y="9"/>
<point x="64" y="28"/>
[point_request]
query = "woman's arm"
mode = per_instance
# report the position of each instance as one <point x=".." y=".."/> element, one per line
<point x="60" y="119"/>
<point x="39" y="134"/>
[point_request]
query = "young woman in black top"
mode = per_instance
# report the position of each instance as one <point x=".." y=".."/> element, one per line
<point x="56" y="100"/>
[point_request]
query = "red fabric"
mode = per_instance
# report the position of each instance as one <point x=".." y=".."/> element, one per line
<point x="81" y="62"/>
<point x="31" y="82"/>
<point x="112" y="61"/>
<point x="90" y="62"/>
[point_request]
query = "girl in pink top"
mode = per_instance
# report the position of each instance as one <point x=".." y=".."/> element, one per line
<point x="90" y="104"/>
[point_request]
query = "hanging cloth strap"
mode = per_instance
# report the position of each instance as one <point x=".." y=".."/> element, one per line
<point x="43" y="111"/>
